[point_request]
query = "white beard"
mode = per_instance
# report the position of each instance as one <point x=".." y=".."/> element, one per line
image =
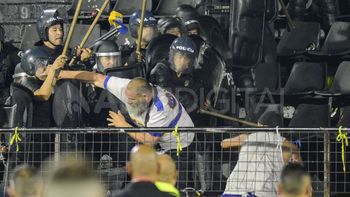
<point x="138" y="109"/>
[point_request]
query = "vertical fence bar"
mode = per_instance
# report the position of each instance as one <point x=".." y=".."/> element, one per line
<point x="57" y="146"/>
<point x="326" y="166"/>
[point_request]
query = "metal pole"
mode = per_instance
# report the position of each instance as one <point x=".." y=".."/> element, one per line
<point x="326" y="166"/>
<point x="57" y="147"/>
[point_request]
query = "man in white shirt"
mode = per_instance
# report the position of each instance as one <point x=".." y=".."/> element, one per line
<point x="261" y="159"/>
<point x="148" y="106"/>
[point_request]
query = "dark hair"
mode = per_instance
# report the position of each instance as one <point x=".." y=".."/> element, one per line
<point x="292" y="178"/>
<point x="271" y="118"/>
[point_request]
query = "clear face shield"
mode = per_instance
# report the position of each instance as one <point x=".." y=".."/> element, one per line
<point x="106" y="61"/>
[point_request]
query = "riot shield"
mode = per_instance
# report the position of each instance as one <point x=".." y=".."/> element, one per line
<point x="212" y="33"/>
<point x="158" y="50"/>
<point x="129" y="72"/>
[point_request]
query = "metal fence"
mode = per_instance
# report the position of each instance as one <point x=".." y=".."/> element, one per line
<point x="252" y="162"/>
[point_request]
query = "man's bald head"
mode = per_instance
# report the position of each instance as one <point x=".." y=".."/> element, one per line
<point x="139" y="94"/>
<point x="140" y="86"/>
<point x="143" y="162"/>
<point x="167" y="169"/>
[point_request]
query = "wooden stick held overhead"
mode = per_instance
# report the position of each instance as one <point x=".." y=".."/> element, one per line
<point x="71" y="29"/>
<point x="91" y="28"/>
<point x="138" y="49"/>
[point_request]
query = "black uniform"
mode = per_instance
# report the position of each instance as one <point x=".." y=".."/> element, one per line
<point x="141" y="189"/>
<point x="9" y="58"/>
<point x="164" y="76"/>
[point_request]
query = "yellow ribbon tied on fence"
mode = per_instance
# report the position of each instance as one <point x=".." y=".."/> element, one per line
<point x="178" y="142"/>
<point x="15" y="139"/>
<point x="343" y="138"/>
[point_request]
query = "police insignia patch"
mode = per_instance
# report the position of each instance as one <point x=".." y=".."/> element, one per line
<point x="171" y="100"/>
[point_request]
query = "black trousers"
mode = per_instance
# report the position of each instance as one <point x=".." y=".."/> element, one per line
<point x="185" y="164"/>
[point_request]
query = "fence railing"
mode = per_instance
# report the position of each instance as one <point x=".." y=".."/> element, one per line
<point x="250" y="161"/>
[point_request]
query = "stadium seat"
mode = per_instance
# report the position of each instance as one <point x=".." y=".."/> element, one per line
<point x="337" y="42"/>
<point x="129" y="7"/>
<point x="297" y="41"/>
<point x="168" y="7"/>
<point x="341" y="84"/>
<point x="306" y="78"/>
<point x="310" y="116"/>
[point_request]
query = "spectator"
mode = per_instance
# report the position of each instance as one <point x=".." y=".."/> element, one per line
<point x="167" y="175"/>
<point x="143" y="169"/>
<point x="147" y="105"/>
<point x="261" y="159"/>
<point x="25" y="181"/>
<point x="73" y="178"/>
<point x="295" y="182"/>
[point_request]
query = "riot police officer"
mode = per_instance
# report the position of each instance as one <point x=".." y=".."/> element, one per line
<point x="36" y="76"/>
<point x="177" y="74"/>
<point x="170" y="25"/>
<point x="186" y="11"/>
<point x="108" y="56"/>
<point x="192" y="26"/>
<point x="9" y="58"/>
<point x="149" y="32"/>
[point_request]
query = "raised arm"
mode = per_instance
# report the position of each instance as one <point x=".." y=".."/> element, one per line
<point x="45" y="91"/>
<point x="234" y="142"/>
<point x="86" y="76"/>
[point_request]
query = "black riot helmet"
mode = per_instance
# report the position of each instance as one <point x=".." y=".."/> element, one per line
<point x="108" y="55"/>
<point x="33" y="59"/>
<point x="48" y="18"/>
<point x="191" y="24"/>
<point x="167" y="23"/>
<point x="185" y="47"/>
<point x="135" y="19"/>
<point x="186" y="11"/>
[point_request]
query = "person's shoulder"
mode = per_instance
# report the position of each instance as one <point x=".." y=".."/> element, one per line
<point x="168" y="100"/>
<point x="126" y="192"/>
<point x="160" y="67"/>
<point x="36" y="51"/>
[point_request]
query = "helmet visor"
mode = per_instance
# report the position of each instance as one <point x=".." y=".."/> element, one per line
<point x="108" y="60"/>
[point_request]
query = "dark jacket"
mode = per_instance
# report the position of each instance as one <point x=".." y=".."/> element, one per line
<point x="144" y="189"/>
<point x="183" y="86"/>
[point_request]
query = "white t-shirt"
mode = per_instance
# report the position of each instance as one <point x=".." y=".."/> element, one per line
<point x="165" y="111"/>
<point x="259" y="166"/>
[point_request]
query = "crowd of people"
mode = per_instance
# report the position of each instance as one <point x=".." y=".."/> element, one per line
<point x="151" y="174"/>
<point x="45" y="86"/>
